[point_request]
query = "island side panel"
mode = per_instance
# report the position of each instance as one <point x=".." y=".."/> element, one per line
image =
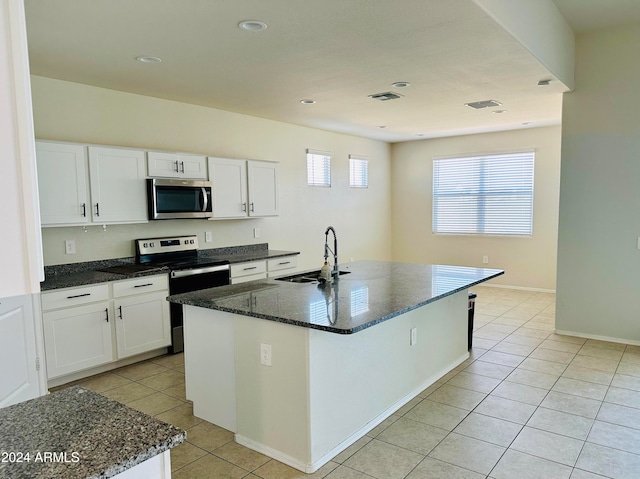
<point x="210" y="365"/>
<point x="273" y="401"/>
<point x="360" y="379"/>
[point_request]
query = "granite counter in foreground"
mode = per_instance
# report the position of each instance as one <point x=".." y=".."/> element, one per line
<point x="91" y="436"/>
<point x="371" y="292"/>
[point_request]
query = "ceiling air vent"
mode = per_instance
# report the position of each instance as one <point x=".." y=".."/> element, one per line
<point x="483" y="104"/>
<point x="389" y="95"/>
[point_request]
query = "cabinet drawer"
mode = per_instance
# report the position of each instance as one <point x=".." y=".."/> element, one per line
<point x="144" y="284"/>
<point x="249" y="268"/>
<point x="73" y="297"/>
<point x="285" y="262"/>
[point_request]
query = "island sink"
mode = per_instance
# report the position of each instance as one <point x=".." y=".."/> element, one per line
<point x="308" y="277"/>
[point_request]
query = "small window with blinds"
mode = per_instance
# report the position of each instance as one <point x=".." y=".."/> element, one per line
<point x="486" y="195"/>
<point x="318" y="168"/>
<point x="358" y="172"/>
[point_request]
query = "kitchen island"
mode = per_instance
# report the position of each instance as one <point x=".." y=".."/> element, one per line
<point x="300" y="371"/>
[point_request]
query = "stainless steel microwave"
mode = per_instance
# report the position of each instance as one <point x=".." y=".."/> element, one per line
<point x="179" y="199"/>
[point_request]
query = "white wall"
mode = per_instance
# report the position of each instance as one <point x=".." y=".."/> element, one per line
<point x="598" y="259"/>
<point x="73" y="112"/>
<point x="528" y="262"/>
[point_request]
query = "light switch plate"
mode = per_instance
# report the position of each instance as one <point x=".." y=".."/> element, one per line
<point x="265" y="354"/>
<point x="70" y="247"/>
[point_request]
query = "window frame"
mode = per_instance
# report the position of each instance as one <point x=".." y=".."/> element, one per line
<point x="318" y="175"/>
<point x="364" y="162"/>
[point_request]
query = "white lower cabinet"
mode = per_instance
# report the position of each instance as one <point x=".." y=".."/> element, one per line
<point x="249" y="271"/>
<point x="282" y="265"/>
<point x="98" y="324"/>
<point x="142" y="316"/>
<point x="77" y="338"/>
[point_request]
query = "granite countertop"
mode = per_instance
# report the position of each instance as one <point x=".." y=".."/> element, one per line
<point x="97" y="436"/>
<point x="372" y="292"/>
<point x="82" y="274"/>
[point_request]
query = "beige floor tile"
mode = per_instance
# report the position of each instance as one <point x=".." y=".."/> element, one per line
<point x="180" y="416"/>
<point x="352" y="449"/>
<point x="489" y="429"/>
<point x="506" y="409"/>
<point x="177" y="391"/>
<point x="532" y="378"/>
<point x="532" y="333"/>
<point x="623" y="397"/>
<point x="542" y="366"/>
<point x="436" y="414"/>
<point x="241" y="456"/>
<point x="277" y="470"/>
<point x="138" y="371"/>
<point x="164" y="380"/>
<point x="457" y="397"/>
<point x="621" y="415"/>
<point x="580" y="388"/>
<point x="412" y="435"/>
<point x="602" y="353"/>
<point x="629" y="357"/>
<point x="562" y="423"/>
<point x="385" y="424"/>
<point x="210" y="467"/>
<point x="467" y="452"/>
<point x="560" y="346"/>
<point x="513" y="348"/>
<point x="407" y="407"/>
<point x="431" y="468"/>
<point x="104" y="382"/>
<point x="483" y="343"/>
<point x="608" y="461"/>
<point x="475" y="382"/>
<point x="170" y="360"/>
<point x="208" y="436"/>
<point x="571" y="404"/>
<point x="587" y="374"/>
<point x="184" y="454"/>
<point x="566" y="339"/>
<point x="520" y="392"/>
<point x="155" y="403"/>
<point x="516" y="464"/>
<point x="492" y="370"/>
<point x="384" y="461"/>
<point x="344" y="472"/>
<point x="548" y="445"/>
<point x="616" y="436"/>
<point x="630" y="369"/>
<point x="605" y="344"/>
<point x="552" y="355"/>
<point x="543" y="325"/>
<point x="523" y="340"/>
<point x="505" y="359"/>
<point x="128" y="393"/>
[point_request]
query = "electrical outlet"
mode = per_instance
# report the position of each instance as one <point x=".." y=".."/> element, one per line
<point x="70" y="247"/>
<point x="413" y="337"/>
<point x="265" y="354"/>
<point x="256" y="232"/>
<point x="485" y="260"/>
<point x="207" y="237"/>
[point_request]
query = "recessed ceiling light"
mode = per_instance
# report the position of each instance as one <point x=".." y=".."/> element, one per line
<point x="148" y="59"/>
<point x="525" y="123"/>
<point x="483" y="104"/>
<point x="307" y="101"/>
<point x="544" y="82"/>
<point x="382" y="126"/>
<point x="401" y="84"/>
<point x="420" y="135"/>
<point x="498" y="111"/>
<point x="252" y="25"/>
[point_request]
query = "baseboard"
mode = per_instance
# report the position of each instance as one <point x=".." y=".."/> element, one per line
<point x="598" y="337"/>
<point x="521" y="288"/>
<point x="317" y="464"/>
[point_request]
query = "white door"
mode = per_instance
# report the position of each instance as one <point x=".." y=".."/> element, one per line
<point x="18" y="351"/>
<point x="229" y="179"/>
<point x="193" y="166"/>
<point x="63" y="184"/>
<point x="118" y="185"/>
<point x="77" y="338"/>
<point x="142" y="323"/>
<point x="163" y="165"/>
<point x="263" y="188"/>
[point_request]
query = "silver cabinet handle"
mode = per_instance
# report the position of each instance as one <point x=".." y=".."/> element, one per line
<point x="120" y="312"/>
<point x="78" y="295"/>
<point x="97" y="209"/>
<point x="284" y="262"/>
<point x="106" y="312"/>
<point x="177" y="170"/>
<point x="244" y="207"/>
<point x="182" y="163"/>
<point x="143" y="285"/>
<point x="250" y="267"/>
<point x="84" y="209"/>
<point x="251" y="205"/>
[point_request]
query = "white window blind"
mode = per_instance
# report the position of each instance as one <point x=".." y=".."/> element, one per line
<point x="318" y="168"/>
<point x="358" y="172"/>
<point x="489" y="194"/>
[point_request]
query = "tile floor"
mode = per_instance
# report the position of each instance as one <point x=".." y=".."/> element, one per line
<point x="528" y="404"/>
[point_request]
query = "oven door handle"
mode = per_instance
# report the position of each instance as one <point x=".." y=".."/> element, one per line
<point x="205" y="199"/>
<point x="190" y="272"/>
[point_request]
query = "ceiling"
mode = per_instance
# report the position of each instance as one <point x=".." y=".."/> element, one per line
<point x="331" y="51"/>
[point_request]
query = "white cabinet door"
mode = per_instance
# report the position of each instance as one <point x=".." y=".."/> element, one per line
<point x="176" y="165"/>
<point x="18" y="351"/>
<point x="263" y="188"/>
<point x="77" y="338"/>
<point x="63" y="183"/>
<point x="118" y="185"/>
<point x="142" y="323"/>
<point x="229" y="178"/>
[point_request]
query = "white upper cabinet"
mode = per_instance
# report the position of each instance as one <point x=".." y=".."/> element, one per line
<point x="263" y="188"/>
<point x="243" y="188"/>
<point x="118" y="185"/>
<point x="177" y="165"/>
<point x="63" y="183"/>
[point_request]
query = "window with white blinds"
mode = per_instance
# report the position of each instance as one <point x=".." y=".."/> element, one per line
<point x="318" y="168"/>
<point x="489" y="194"/>
<point x="358" y="172"/>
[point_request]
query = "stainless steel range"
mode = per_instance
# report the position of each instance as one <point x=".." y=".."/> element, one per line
<point x="189" y="271"/>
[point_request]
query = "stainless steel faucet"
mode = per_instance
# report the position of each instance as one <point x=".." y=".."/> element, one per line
<point x="334" y="271"/>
